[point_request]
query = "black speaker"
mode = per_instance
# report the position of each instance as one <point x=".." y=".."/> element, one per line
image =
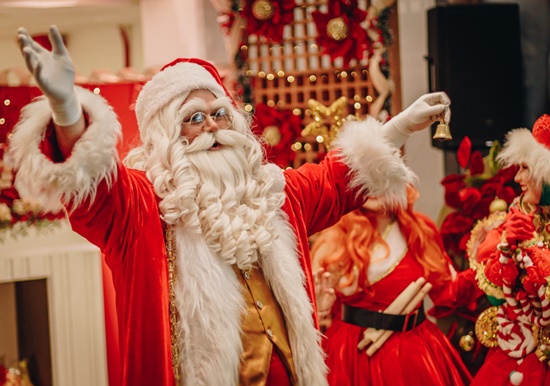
<point x="475" y="57"/>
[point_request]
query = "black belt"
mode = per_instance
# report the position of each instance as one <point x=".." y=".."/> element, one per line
<point x="381" y="321"/>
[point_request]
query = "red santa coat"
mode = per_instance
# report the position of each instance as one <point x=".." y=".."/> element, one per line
<point x="116" y="209"/>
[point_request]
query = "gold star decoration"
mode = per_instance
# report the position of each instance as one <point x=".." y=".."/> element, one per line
<point x="327" y="121"/>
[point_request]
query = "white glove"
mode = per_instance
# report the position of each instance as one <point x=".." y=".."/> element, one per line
<point x="54" y="74"/>
<point x="419" y="115"/>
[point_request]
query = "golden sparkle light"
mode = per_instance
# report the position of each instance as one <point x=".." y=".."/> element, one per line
<point x="327" y="121"/>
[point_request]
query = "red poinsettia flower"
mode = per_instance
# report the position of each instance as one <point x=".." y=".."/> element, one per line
<point x="267" y="18"/>
<point x="339" y="31"/>
<point x="453" y="230"/>
<point x="464" y="151"/>
<point x="278" y="129"/>
<point x="476" y="163"/>
<point x="506" y="174"/>
<point x="469" y="198"/>
<point x="453" y="183"/>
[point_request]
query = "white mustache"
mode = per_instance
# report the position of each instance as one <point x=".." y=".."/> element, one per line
<point x="205" y="141"/>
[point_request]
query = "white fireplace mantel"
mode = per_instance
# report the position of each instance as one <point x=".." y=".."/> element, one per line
<point x="73" y="273"/>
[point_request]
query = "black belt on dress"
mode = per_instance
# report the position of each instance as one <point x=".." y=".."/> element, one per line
<point x="381" y="321"/>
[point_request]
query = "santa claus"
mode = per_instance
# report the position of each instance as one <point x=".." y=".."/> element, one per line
<point x="207" y="243"/>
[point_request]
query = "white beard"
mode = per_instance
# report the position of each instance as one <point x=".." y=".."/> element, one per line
<point x="231" y="204"/>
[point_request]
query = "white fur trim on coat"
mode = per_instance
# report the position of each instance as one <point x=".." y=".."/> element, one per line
<point x="376" y="166"/>
<point x="94" y="156"/>
<point x="211" y="305"/>
<point x="522" y="148"/>
<point x="278" y="177"/>
<point x="172" y="82"/>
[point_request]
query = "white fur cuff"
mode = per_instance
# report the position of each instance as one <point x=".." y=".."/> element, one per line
<point x="377" y="167"/>
<point x="94" y="156"/>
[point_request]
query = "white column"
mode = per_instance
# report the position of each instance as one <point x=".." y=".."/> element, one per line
<point x="172" y="29"/>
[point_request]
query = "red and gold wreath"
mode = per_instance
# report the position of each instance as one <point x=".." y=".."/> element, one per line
<point x="339" y="31"/>
<point x="278" y="128"/>
<point x="267" y="18"/>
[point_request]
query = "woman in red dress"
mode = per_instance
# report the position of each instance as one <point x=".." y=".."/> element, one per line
<point x="512" y="263"/>
<point x="375" y="337"/>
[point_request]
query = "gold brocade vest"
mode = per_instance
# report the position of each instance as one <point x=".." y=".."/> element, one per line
<point x="263" y="326"/>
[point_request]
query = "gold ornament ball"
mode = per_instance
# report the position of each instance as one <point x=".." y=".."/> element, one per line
<point x="272" y="135"/>
<point x="262" y="9"/>
<point x="487" y="326"/>
<point x="466" y="342"/>
<point x="337" y="28"/>
<point x="498" y="205"/>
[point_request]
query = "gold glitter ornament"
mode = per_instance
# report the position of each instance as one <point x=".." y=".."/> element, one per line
<point x="327" y="121"/>
<point x="487" y="326"/>
<point x="466" y="342"/>
<point x="262" y="9"/>
<point x="272" y="135"/>
<point x="337" y="29"/>
<point x="498" y="205"/>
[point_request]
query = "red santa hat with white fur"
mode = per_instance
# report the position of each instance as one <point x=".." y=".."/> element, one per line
<point x="177" y="79"/>
<point x="530" y="148"/>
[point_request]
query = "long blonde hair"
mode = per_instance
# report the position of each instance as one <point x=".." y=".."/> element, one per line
<point x="349" y="243"/>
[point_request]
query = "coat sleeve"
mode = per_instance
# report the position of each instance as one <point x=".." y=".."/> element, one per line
<point x="362" y="164"/>
<point x="107" y="203"/>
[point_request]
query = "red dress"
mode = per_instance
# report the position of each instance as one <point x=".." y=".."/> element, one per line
<point x="420" y="356"/>
<point x="498" y="365"/>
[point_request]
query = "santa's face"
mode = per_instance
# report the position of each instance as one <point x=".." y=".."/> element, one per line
<point x="531" y="190"/>
<point x="203" y="115"/>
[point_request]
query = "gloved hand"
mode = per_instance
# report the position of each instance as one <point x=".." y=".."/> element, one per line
<point x="519" y="227"/>
<point x="54" y="74"/>
<point x="423" y="112"/>
<point x="420" y="114"/>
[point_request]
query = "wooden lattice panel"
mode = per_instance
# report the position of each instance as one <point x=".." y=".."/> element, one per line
<point x="286" y="75"/>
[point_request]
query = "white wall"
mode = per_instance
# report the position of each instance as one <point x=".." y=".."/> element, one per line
<point x="425" y="160"/>
<point x="100" y="47"/>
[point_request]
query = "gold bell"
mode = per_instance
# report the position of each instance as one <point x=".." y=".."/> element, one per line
<point x="442" y="132"/>
<point x="467" y="342"/>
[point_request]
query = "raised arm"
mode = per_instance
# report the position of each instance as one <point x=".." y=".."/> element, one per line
<point x="54" y="75"/>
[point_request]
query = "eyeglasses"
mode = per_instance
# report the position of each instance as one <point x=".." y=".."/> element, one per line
<point x="222" y="117"/>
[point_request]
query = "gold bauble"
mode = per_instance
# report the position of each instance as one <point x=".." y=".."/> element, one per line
<point x="466" y="342"/>
<point x="487" y="327"/>
<point x="272" y="135"/>
<point x="337" y="29"/>
<point x="498" y="205"/>
<point x="262" y="9"/>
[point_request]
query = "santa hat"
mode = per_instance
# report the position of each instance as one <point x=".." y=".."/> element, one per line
<point x="530" y="148"/>
<point x="177" y="79"/>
